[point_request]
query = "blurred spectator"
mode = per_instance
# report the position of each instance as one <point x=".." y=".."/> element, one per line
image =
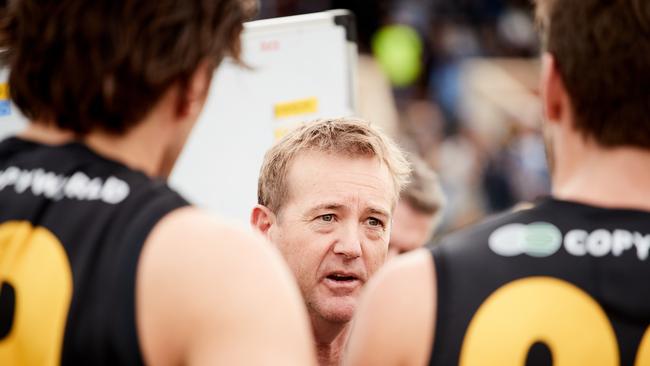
<point x="418" y="211"/>
<point x="375" y="98"/>
<point x="421" y="125"/>
<point x="516" y="172"/>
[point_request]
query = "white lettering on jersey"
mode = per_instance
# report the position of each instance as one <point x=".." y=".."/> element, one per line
<point x="642" y="244"/>
<point x="601" y="242"/>
<point x="78" y="186"/>
<point x="541" y="239"/>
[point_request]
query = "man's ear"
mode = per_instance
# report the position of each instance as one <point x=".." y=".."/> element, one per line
<point x="262" y="219"/>
<point x="193" y="94"/>
<point x="555" y="97"/>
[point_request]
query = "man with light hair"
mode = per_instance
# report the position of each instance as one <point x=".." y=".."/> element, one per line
<point x="419" y="210"/>
<point x="564" y="282"/>
<point x="326" y="196"/>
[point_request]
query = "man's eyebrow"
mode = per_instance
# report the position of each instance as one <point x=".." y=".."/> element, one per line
<point x="378" y="211"/>
<point x="326" y="206"/>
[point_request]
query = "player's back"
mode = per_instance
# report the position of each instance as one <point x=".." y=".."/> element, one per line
<point x="72" y="225"/>
<point x="562" y="277"/>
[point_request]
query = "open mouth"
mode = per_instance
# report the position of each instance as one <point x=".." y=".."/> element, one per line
<point x="342" y="278"/>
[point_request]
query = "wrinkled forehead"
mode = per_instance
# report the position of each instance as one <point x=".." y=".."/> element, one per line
<point x="327" y="168"/>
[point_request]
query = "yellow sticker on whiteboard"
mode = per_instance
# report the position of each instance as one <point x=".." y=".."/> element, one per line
<point x="296" y="108"/>
<point x="4" y="91"/>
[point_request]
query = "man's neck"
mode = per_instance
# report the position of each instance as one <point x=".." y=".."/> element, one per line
<point x="138" y="149"/>
<point x="607" y="177"/>
<point x="330" y="340"/>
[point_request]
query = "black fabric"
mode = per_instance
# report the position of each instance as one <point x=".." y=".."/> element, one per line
<point x="102" y="231"/>
<point x="468" y="271"/>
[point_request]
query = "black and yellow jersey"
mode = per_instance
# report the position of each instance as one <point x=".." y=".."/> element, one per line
<point x="72" y="226"/>
<point x="562" y="283"/>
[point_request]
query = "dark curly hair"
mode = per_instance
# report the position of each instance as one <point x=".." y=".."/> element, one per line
<point x="103" y="64"/>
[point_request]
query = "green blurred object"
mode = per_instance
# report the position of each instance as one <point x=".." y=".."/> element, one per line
<point x="398" y="49"/>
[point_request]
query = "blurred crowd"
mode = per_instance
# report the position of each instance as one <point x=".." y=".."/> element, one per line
<point x="456" y="82"/>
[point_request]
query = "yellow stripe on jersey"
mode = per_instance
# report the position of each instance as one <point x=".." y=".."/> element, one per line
<point x="34" y="263"/>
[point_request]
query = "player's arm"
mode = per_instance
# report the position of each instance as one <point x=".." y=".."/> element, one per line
<point x="208" y="294"/>
<point x="395" y="320"/>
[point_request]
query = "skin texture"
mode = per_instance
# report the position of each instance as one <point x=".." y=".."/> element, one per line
<point x="411" y="229"/>
<point x="335" y="221"/>
<point x="393" y="323"/>
<point x="206" y="293"/>
<point x="224" y="294"/>
<point x="390" y="330"/>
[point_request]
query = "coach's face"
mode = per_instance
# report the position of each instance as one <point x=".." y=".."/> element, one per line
<point x="334" y="228"/>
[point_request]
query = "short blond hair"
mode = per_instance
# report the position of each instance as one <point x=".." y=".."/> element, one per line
<point x="341" y="136"/>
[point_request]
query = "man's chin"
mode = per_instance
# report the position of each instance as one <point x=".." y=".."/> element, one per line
<point x="338" y="316"/>
<point x="336" y="310"/>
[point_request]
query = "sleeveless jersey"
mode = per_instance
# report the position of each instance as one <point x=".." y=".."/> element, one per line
<point x="562" y="283"/>
<point x="72" y="226"/>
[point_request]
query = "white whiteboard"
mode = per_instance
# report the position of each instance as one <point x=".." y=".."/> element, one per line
<point x="303" y="67"/>
<point x="300" y="68"/>
<point x="11" y="120"/>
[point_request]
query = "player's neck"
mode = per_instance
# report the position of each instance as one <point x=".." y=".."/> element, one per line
<point x="608" y="177"/>
<point x="136" y="149"/>
<point x="330" y="340"/>
<point x="140" y="149"/>
<point x="144" y="147"/>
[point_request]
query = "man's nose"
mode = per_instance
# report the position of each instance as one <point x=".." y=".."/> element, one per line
<point x="349" y="242"/>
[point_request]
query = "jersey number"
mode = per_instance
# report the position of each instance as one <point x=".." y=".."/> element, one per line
<point x="548" y="310"/>
<point x="34" y="296"/>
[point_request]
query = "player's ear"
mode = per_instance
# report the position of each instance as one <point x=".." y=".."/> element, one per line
<point x="193" y="94"/>
<point x="262" y="219"/>
<point x="554" y="93"/>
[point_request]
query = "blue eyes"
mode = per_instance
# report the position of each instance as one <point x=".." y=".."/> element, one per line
<point x="374" y="222"/>
<point x="371" y="221"/>
<point x="327" y="217"/>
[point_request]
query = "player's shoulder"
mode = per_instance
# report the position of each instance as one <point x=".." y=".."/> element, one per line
<point x="402" y="273"/>
<point x="193" y="232"/>
<point x="190" y="221"/>
<point x="198" y="272"/>
<point x="405" y="285"/>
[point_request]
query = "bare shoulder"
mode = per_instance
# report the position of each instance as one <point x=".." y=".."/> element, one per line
<point x="394" y="323"/>
<point x="191" y="233"/>
<point x="208" y="292"/>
